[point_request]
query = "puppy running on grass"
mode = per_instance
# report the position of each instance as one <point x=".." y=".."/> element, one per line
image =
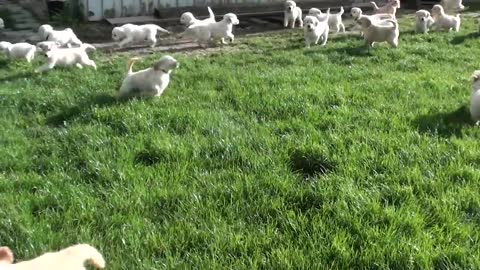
<point x="373" y="31"/>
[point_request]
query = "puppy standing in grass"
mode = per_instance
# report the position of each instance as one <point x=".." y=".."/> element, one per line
<point x="379" y="31"/>
<point x="444" y="21"/>
<point x="66" y="37"/>
<point x="315" y="30"/>
<point x="292" y="14"/>
<point x="334" y="20"/>
<point x="475" y="98"/>
<point x="19" y="50"/>
<point x="68" y="57"/>
<point x="423" y="21"/>
<point x="71" y="258"/>
<point x="149" y="82"/>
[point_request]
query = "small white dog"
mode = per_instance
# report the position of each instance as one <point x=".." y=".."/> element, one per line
<point x="378" y="31"/>
<point x="46" y="46"/>
<point x="475" y="98"/>
<point x="444" y="21"/>
<point x="389" y="8"/>
<point x="357" y="13"/>
<point x="452" y="5"/>
<point x="131" y="33"/>
<point x="149" y="82"/>
<point x="218" y="30"/>
<point x="423" y="21"/>
<point x="2" y="24"/>
<point x="66" y="37"/>
<point x="43" y="29"/>
<point x="68" y="57"/>
<point x="334" y="20"/>
<point x="292" y="14"/>
<point x="19" y="50"/>
<point x="73" y="257"/>
<point x="315" y="30"/>
<point x="188" y="19"/>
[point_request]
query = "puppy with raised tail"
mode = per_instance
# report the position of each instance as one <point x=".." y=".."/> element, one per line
<point x="475" y="98"/>
<point x="443" y="21"/>
<point x="389" y="8"/>
<point x="71" y="258"/>
<point x="221" y="30"/>
<point x="423" y="21"/>
<point x="379" y="31"/>
<point x="315" y="30"/>
<point x="149" y="82"/>
<point x="68" y="57"/>
<point x="452" y="5"/>
<point x="188" y="19"/>
<point x="292" y="14"/>
<point x="334" y="20"/>
<point x="130" y="33"/>
<point x="19" y="50"/>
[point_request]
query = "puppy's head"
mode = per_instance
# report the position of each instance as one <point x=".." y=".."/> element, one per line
<point x="6" y="256"/>
<point x="118" y="34"/>
<point x="46" y="46"/>
<point x="364" y="22"/>
<point x="310" y="23"/>
<point x="395" y="3"/>
<point x="437" y="10"/>
<point x="5" y="46"/>
<point x="187" y="18"/>
<point x="290" y="5"/>
<point x="166" y="64"/>
<point x="231" y="18"/>
<point x="422" y="14"/>
<point x="355" y="12"/>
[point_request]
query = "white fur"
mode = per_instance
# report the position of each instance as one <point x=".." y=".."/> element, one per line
<point x="19" y="50"/>
<point x="43" y="29"/>
<point x="334" y="20"/>
<point x="443" y="21"/>
<point x="423" y="21"/>
<point x="65" y="37"/>
<point x="46" y="46"/>
<point x="389" y="8"/>
<point x="315" y="30"/>
<point x="149" y="82"/>
<point x="475" y="97"/>
<point x="131" y="33"/>
<point x="357" y="13"/>
<point x="68" y="57"/>
<point x="373" y="31"/>
<point x="292" y="14"/>
<point x="188" y="19"/>
<point x="452" y="5"/>
<point x="218" y="30"/>
<point x="2" y="24"/>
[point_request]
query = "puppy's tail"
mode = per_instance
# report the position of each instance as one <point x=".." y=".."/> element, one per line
<point x="341" y="11"/>
<point x="211" y="14"/>
<point x="395" y="23"/>
<point x="130" y="65"/>
<point x="83" y="253"/>
<point x="375" y="7"/>
<point x="162" y="29"/>
<point x="87" y="47"/>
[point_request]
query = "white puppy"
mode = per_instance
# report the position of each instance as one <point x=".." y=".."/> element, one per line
<point x="73" y="257"/>
<point x="131" y="33"/>
<point x="46" y="46"/>
<point x="2" y="24"/>
<point x="475" y="98"/>
<point x="292" y="14"/>
<point x="389" y="8"/>
<point x="334" y="20"/>
<point x="68" y="57"/>
<point x="376" y="31"/>
<point x="315" y="30"/>
<point x="218" y="30"/>
<point x="357" y="13"/>
<point x="43" y="29"/>
<point x="19" y="50"/>
<point x="453" y="5"/>
<point x="188" y="19"/>
<point x="423" y="21"/>
<point x="444" y="21"/>
<point x="148" y="82"/>
<point x="65" y="37"/>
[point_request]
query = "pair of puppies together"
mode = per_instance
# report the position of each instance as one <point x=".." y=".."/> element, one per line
<point x="293" y="13"/>
<point x="73" y="257"/>
<point x="379" y="27"/>
<point x="439" y="20"/>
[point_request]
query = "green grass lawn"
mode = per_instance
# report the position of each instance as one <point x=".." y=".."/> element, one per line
<point x="265" y="156"/>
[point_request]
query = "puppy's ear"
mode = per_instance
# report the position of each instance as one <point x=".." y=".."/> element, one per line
<point x="6" y="255"/>
<point x="158" y="65"/>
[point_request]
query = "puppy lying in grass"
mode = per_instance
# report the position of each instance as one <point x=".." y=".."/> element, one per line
<point x="130" y="33"/>
<point x="204" y="33"/>
<point x="475" y="98"/>
<point x="443" y="21"/>
<point x="316" y="30"/>
<point x="71" y="258"/>
<point x="379" y="31"/>
<point x="149" y="82"/>
<point x="19" y="50"/>
<point x="188" y="19"/>
<point x="423" y="21"/>
<point x="68" y="57"/>
<point x="292" y="14"/>
<point x="334" y="20"/>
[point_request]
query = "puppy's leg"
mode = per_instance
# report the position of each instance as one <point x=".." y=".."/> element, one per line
<point x="325" y="39"/>
<point x="152" y="40"/>
<point x="223" y="41"/>
<point x="78" y="65"/>
<point x="50" y="65"/>
<point x="293" y="22"/>
<point x="125" y="42"/>
<point x="30" y="55"/>
<point x="87" y="62"/>
<point x="394" y="42"/>
<point x="231" y="37"/>
<point x="285" y="21"/>
<point x="300" y="20"/>
<point x="342" y="27"/>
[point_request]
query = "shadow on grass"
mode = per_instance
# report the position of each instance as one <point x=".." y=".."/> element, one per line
<point x="445" y="124"/>
<point x="70" y="113"/>
<point x="17" y="76"/>
<point x="360" y="51"/>
<point x="460" y="39"/>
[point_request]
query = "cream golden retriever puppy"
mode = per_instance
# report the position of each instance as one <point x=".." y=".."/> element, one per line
<point x="71" y="258"/>
<point x="443" y="21"/>
<point x="389" y="8"/>
<point x="373" y="31"/>
<point x="291" y="14"/>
